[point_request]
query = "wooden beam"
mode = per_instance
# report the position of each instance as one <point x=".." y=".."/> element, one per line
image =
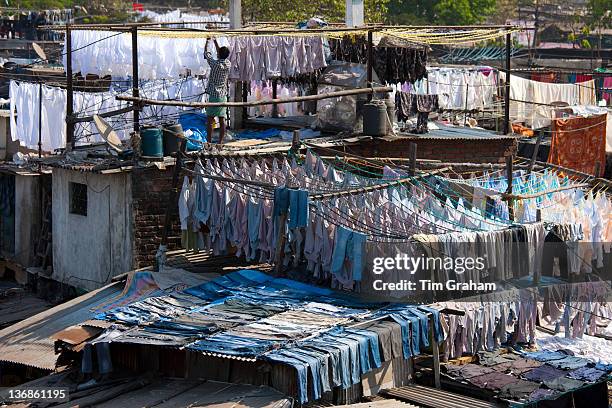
<point x="144" y="101"/>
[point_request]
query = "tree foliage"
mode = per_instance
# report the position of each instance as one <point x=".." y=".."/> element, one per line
<point x="443" y="12"/>
<point x="299" y="10"/>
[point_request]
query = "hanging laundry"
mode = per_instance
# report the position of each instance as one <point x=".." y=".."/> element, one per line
<point x="252" y="57"/>
<point x="464" y="89"/>
<point x="347" y="259"/>
<point x="392" y="64"/>
<point x="24" y="97"/>
<point x="579" y="144"/>
<point x="530" y="100"/>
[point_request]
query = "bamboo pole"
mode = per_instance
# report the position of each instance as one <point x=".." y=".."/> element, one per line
<point x="374" y="187"/>
<point x="145" y="101"/>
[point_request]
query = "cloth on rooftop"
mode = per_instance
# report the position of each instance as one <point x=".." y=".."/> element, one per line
<point x="563" y="384"/>
<point x="587" y="374"/>
<point x="518" y="390"/>
<point x="493" y="381"/>
<point x="467" y="371"/>
<point x="544" y="373"/>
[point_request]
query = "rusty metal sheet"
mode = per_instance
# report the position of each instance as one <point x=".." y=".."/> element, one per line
<point x="76" y="334"/>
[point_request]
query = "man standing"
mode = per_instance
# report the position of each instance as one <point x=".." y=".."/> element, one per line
<point x="217" y="87"/>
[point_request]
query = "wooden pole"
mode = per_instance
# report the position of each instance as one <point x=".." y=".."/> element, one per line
<point x="145" y="101"/>
<point x="135" y="78"/>
<point x="509" y="176"/>
<point x="413" y="158"/>
<point x="295" y="141"/>
<point x="69" y="91"/>
<point x="507" y="86"/>
<point x="369" y="62"/>
<point x="536" y="276"/>
<point x="435" y="348"/>
<point x="536" y="150"/>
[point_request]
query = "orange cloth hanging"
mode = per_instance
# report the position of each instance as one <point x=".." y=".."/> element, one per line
<point x="579" y="143"/>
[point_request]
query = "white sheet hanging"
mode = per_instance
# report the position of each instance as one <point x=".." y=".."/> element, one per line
<point x="253" y="57"/>
<point x="25" y="101"/>
<point x="459" y="88"/>
<point x="538" y="116"/>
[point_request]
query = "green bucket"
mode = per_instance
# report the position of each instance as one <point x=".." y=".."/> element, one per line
<point x="151" y="141"/>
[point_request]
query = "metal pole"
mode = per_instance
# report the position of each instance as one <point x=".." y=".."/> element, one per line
<point x="69" y="91"/>
<point x="369" y="62"/>
<point x="40" y="119"/>
<point x="135" y="79"/>
<point x="507" y="87"/>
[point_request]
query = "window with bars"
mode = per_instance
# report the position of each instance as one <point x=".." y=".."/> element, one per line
<point x="78" y="199"/>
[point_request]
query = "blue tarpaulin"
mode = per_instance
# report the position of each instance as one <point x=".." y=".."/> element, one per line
<point x="196" y="123"/>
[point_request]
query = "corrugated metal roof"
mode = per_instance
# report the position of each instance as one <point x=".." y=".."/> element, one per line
<point x="167" y="393"/>
<point x="29" y="341"/>
<point x="453" y="133"/>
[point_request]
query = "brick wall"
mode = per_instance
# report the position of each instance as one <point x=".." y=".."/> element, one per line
<point x="460" y="151"/>
<point x="150" y="191"/>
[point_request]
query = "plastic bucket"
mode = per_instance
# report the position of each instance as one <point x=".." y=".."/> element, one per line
<point x="170" y="132"/>
<point x="151" y="142"/>
<point x="375" y="118"/>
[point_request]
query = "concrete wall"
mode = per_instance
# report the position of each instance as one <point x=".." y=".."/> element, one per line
<point x="89" y="250"/>
<point x="27" y="218"/>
